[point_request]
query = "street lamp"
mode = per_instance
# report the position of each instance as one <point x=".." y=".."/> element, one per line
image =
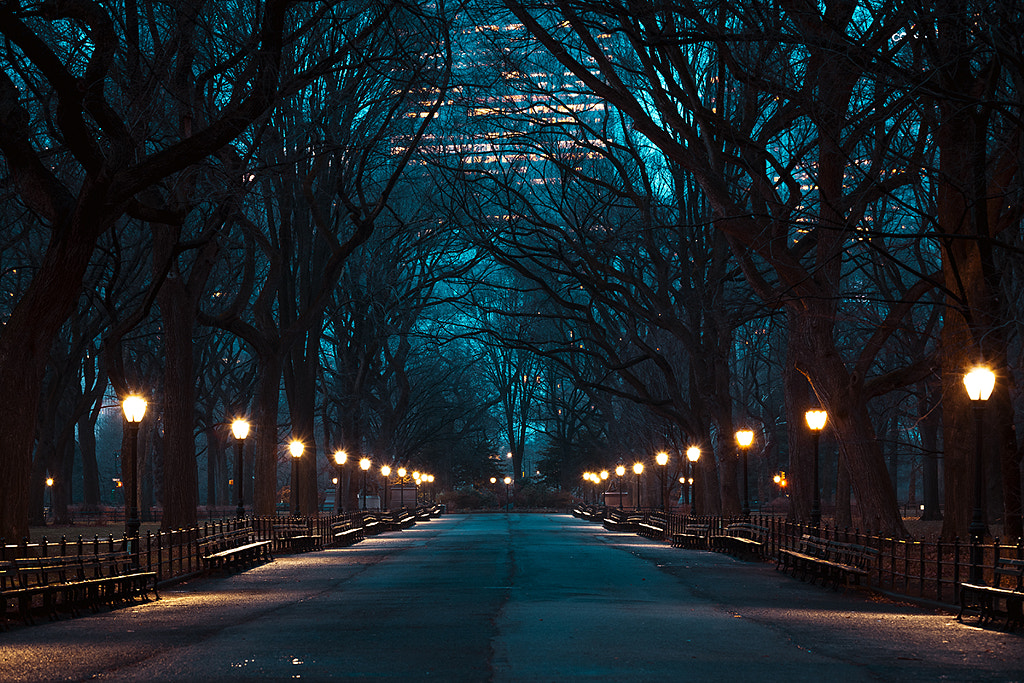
<point x="240" y="430"/>
<point x="386" y="471"/>
<point x="296" y="448"/>
<point x="508" y="493"/>
<point x="340" y="458"/>
<point x="364" y="464"/>
<point x="816" y="420"/>
<point x="619" y="471"/>
<point x="603" y="489"/>
<point x="979" y="383"/>
<point x="744" y="438"/>
<point x="638" y="469"/>
<point x="692" y="456"/>
<point x="662" y="459"/>
<point x="134" y="408"/>
<point x="49" y="494"/>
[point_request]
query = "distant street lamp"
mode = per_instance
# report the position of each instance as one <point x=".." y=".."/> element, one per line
<point x="48" y="504"/>
<point x="638" y="469"/>
<point x="603" y="489"/>
<point x="240" y="430"/>
<point x="979" y="383"/>
<point x="619" y="471"/>
<point x="816" y="420"/>
<point x="134" y="408"/>
<point x="340" y="458"/>
<point x="744" y="438"/>
<point x="662" y="459"/>
<point x="296" y="448"/>
<point x="508" y="493"/>
<point x="364" y="464"/>
<point x="692" y="456"/>
<point x="386" y="471"/>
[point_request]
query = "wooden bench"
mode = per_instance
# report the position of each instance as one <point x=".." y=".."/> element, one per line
<point x="991" y="602"/>
<point x="295" y="538"/>
<point x="71" y="582"/>
<point x="234" y="549"/>
<point x="741" y="539"/>
<point x="693" y="536"/>
<point x="347" y="532"/>
<point x="371" y="524"/>
<point x="112" y="578"/>
<point x="833" y="561"/>
<point x="406" y="519"/>
<point x="652" y="526"/>
<point x="48" y="579"/>
<point x="616" y="520"/>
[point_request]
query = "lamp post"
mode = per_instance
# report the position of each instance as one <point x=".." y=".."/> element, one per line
<point x="744" y="438"/>
<point x="816" y="420"/>
<point x="340" y="458"/>
<point x="662" y="459"/>
<point x="296" y="448"/>
<point x="620" y="471"/>
<point x="240" y="430"/>
<point x="979" y="383"/>
<point x="692" y="456"/>
<point x="604" y="489"/>
<point x="638" y="469"/>
<point x="508" y="493"/>
<point x="134" y="408"/>
<point x="364" y="464"/>
<point x="48" y="504"/>
<point x="386" y="471"/>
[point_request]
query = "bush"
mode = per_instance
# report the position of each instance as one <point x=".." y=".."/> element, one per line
<point x="470" y="499"/>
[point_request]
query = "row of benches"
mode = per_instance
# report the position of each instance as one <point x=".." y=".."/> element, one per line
<point x="814" y="558"/>
<point x="71" y="583"/>
<point x="833" y="562"/>
<point x="52" y="585"/>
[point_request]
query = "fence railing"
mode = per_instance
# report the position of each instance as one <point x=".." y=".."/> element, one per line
<point x="177" y="554"/>
<point x="927" y="570"/>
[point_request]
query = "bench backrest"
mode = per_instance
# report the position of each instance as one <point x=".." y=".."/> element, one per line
<point x="860" y="556"/>
<point x="44" y="571"/>
<point x="215" y="543"/>
<point x="747" y="530"/>
<point x="1011" y="568"/>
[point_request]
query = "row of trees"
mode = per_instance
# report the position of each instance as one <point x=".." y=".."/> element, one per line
<point x="624" y="227"/>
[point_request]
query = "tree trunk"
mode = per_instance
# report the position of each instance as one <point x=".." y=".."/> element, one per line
<point x="181" y="476"/>
<point x="929" y="427"/>
<point x="90" y="468"/>
<point x="25" y="344"/>
<point x="265" y="445"/>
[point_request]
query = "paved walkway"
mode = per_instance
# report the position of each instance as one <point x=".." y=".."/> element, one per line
<point x="510" y="598"/>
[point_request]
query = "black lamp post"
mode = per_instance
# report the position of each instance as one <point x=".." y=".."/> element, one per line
<point x="240" y="430"/>
<point x="385" y="471"/>
<point x="816" y="420"/>
<point x="619" y="471"/>
<point x="638" y="469"/>
<point x="364" y="464"/>
<point x="692" y="456"/>
<point x="508" y="493"/>
<point x="339" y="462"/>
<point x="979" y="383"/>
<point x="662" y="459"/>
<point x="134" y="408"/>
<point x="744" y="438"/>
<point x="296" y="448"/>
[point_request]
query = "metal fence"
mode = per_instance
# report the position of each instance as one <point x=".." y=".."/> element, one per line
<point x="924" y="570"/>
<point x="177" y="554"/>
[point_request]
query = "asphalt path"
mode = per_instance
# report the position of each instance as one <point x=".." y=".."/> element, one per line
<point x="495" y="597"/>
